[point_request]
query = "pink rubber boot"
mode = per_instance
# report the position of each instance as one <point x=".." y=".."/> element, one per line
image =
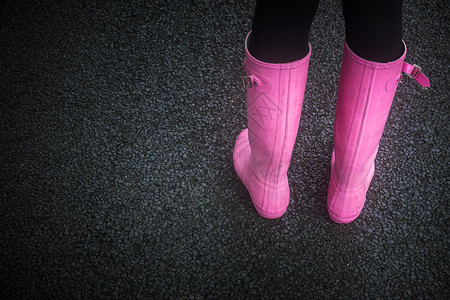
<point x="263" y="151"/>
<point x="366" y="91"/>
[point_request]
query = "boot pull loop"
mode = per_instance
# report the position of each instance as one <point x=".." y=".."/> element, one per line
<point x="415" y="72"/>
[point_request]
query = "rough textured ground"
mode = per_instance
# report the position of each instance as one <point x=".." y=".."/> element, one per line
<point x="118" y="120"/>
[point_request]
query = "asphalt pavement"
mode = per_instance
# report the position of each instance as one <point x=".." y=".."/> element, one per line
<point x="118" y="121"/>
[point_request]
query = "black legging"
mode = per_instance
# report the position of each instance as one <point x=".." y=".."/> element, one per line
<point x="280" y="29"/>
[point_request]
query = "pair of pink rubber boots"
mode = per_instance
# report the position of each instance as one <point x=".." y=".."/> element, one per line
<point x="262" y="153"/>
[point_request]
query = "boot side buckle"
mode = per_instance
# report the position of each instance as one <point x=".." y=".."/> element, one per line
<point x="416" y="71"/>
<point x="248" y="81"/>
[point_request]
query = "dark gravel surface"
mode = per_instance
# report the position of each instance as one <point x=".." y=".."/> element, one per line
<point x="118" y="121"/>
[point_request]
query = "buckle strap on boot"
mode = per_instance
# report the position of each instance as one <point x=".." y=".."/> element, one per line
<point x="249" y="81"/>
<point x="257" y="81"/>
<point x="415" y="72"/>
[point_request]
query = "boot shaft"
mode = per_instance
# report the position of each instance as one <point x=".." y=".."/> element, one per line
<point x="274" y="102"/>
<point x="365" y="95"/>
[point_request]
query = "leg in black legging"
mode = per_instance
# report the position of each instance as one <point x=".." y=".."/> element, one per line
<point x="373" y="28"/>
<point x="280" y="30"/>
